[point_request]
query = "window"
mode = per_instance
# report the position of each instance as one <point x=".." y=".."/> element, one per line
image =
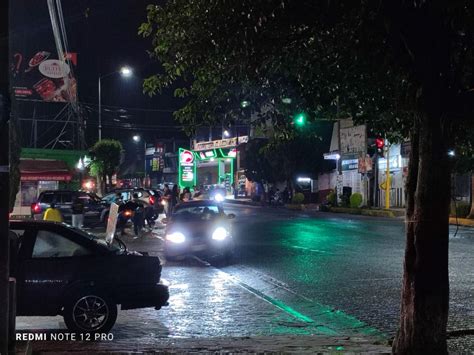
<point x="66" y="198"/>
<point x="47" y="198"/>
<point x="205" y="212"/>
<point x="52" y="245"/>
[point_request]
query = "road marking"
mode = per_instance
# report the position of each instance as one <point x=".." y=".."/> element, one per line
<point x="313" y="250"/>
<point x="329" y="315"/>
<point x="284" y="307"/>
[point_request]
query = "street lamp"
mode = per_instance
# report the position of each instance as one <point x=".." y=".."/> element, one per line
<point x="136" y="138"/>
<point x="125" y="72"/>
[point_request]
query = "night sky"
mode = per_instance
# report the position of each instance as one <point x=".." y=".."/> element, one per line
<point x="104" y="34"/>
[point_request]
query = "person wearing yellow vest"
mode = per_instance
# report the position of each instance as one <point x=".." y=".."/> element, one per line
<point x="52" y="214"/>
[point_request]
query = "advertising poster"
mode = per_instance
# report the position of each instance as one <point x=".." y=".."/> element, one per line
<point x="40" y="75"/>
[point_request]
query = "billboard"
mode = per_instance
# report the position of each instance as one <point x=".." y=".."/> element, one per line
<point x="40" y="75"/>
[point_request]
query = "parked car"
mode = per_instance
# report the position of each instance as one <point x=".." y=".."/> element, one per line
<point x="62" y="270"/>
<point x="199" y="227"/>
<point x="63" y="199"/>
<point x="149" y="197"/>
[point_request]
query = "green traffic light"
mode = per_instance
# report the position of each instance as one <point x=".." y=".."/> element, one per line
<point x="300" y="119"/>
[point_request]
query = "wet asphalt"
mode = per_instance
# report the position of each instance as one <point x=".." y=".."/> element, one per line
<point x="293" y="273"/>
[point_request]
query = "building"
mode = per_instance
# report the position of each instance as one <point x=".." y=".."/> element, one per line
<point x="362" y="171"/>
<point x="46" y="169"/>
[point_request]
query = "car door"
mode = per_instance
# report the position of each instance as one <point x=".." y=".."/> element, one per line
<point x="64" y="203"/>
<point x="50" y="261"/>
<point x="92" y="207"/>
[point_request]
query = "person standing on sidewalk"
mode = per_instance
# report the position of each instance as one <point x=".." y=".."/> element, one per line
<point x="78" y="213"/>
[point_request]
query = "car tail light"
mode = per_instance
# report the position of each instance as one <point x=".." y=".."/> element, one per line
<point x="35" y="208"/>
<point x="152" y="200"/>
<point x="127" y="213"/>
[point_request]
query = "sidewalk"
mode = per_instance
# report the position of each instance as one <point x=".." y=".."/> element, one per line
<point x="304" y="344"/>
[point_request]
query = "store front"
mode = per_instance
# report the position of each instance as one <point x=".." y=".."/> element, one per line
<point x="212" y="163"/>
<point x="36" y="176"/>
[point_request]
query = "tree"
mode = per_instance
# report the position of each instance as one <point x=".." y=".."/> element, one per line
<point x="405" y="68"/>
<point x="106" y="155"/>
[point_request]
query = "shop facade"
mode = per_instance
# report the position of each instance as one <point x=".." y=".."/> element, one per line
<point x="46" y="169"/>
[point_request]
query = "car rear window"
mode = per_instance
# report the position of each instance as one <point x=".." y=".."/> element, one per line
<point x="66" y="197"/>
<point x="47" y="197"/>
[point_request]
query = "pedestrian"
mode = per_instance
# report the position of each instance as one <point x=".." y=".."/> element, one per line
<point x="174" y="197"/>
<point x="52" y="214"/>
<point x="78" y="213"/>
<point x="138" y="218"/>
<point x="167" y="200"/>
<point x="186" y="195"/>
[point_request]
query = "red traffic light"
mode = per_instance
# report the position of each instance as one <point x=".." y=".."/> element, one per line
<point x="379" y="142"/>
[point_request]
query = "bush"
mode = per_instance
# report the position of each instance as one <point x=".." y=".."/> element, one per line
<point x="461" y="209"/>
<point x="331" y="197"/>
<point x="355" y="200"/>
<point x="298" y="198"/>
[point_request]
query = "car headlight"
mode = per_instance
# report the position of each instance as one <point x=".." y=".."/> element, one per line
<point x="218" y="197"/>
<point x="220" y="233"/>
<point x="176" y="237"/>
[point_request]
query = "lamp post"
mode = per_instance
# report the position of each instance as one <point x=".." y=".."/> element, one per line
<point x="136" y="138"/>
<point x="125" y="72"/>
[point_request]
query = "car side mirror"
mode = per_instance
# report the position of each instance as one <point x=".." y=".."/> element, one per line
<point x="231" y="216"/>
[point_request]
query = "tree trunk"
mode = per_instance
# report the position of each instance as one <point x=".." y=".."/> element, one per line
<point x="425" y="288"/>
<point x="471" y="214"/>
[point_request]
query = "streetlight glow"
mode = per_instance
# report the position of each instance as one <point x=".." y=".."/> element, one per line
<point x="136" y="138"/>
<point x="126" y="71"/>
<point x="245" y="103"/>
<point x="226" y="133"/>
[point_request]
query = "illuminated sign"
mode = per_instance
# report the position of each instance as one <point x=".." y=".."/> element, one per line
<point x="222" y="143"/>
<point x="187" y="168"/>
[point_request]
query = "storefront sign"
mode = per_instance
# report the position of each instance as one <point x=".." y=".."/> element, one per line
<point x="350" y="162"/>
<point x="395" y="163"/>
<point x="187" y="168"/>
<point x="222" y="143"/>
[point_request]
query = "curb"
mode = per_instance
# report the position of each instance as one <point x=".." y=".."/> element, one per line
<point x="465" y="222"/>
<point x="368" y="212"/>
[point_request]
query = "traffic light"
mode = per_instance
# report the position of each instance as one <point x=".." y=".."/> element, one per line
<point x="299" y="119"/>
<point x="375" y="146"/>
<point x="380" y="143"/>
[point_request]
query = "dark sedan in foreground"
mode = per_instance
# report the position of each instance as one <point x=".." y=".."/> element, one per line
<point x="199" y="227"/>
<point x="63" y="270"/>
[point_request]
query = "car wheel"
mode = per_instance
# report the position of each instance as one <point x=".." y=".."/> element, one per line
<point x="90" y="312"/>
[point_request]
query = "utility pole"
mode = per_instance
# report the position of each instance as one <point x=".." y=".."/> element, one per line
<point x="4" y="177"/>
<point x="387" y="178"/>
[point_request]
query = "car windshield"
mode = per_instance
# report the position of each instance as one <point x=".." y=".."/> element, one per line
<point x="197" y="212"/>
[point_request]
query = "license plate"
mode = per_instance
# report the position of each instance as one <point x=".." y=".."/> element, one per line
<point x="199" y="247"/>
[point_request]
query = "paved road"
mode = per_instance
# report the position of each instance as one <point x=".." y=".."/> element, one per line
<point x="350" y="263"/>
<point x="296" y="273"/>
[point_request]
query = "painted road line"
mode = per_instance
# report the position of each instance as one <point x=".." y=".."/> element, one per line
<point x="330" y="321"/>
